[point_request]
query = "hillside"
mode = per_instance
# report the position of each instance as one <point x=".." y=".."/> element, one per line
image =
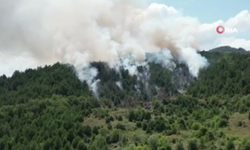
<point x="49" y="108"/>
<point x="228" y="49"/>
<point x="227" y="75"/>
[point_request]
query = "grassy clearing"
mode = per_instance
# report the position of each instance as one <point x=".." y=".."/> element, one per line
<point x="93" y="121"/>
<point x="121" y="111"/>
<point x="137" y="135"/>
<point x="235" y="130"/>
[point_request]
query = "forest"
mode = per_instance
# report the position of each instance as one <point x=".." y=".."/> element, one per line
<point x="49" y="108"/>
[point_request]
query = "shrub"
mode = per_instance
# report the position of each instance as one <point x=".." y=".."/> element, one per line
<point x="192" y="145"/>
<point x="119" y="118"/>
<point x="230" y="145"/>
<point x="120" y="126"/>
<point x="179" y="146"/>
<point x="196" y="126"/>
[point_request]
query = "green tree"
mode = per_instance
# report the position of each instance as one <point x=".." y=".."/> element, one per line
<point x="179" y="146"/>
<point x="230" y="145"/>
<point x="71" y="135"/>
<point x="246" y="146"/>
<point x="119" y="118"/>
<point x="81" y="146"/>
<point x="67" y="146"/>
<point x="152" y="142"/>
<point x="156" y="104"/>
<point x="120" y="126"/>
<point x="163" y="144"/>
<point x="75" y="142"/>
<point x="131" y="115"/>
<point x="99" y="143"/>
<point x="48" y="144"/>
<point x="192" y="145"/>
<point x="160" y="124"/>
<point x="222" y="123"/>
<point x="58" y="143"/>
<point x="249" y="116"/>
<point x="114" y="136"/>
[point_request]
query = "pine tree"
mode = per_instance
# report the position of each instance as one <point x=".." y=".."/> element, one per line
<point x="249" y="116"/>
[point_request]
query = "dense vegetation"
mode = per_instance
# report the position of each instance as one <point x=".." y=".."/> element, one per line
<point x="227" y="75"/>
<point x="50" y="108"/>
<point x="228" y="49"/>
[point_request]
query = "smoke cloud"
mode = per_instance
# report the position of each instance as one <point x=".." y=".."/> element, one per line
<point x="80" y="31"/>
<point x="163" y="58"/>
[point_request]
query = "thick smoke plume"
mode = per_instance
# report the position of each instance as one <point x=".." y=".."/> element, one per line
<point x="80" y="31"/>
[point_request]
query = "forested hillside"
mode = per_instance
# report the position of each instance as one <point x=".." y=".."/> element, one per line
<point x="228" y="49"/>
<point x="49" y="108"/>
<point x="228" y="75"/>
<point x="61" y="79"/>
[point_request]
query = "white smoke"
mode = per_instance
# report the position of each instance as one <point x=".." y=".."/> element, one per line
<point x="119" y="84"/>
<point x="94" y="87"/>
<point x="193" y="60"/>
<point x="80" y="31"/>
<point x="163" y="58"/>
<point x="130" y="63"/>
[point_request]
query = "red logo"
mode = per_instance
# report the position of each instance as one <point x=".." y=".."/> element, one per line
<point x="220" y="29"/>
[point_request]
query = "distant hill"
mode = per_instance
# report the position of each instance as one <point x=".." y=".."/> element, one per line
<point x="228" y="49"/>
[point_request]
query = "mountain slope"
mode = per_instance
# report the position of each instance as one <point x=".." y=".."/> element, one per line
<point x="120" y="87"/>
<point x="228" y="49"/>
<point x="49" y="108"/>
<point x="227" y="75"/>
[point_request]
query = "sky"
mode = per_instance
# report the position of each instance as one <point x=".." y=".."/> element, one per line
<point x="208" y="12"/>
<point x="37" y="33"/>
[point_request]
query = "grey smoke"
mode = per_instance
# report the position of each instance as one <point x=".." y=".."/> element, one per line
<point x="80" y="31"/>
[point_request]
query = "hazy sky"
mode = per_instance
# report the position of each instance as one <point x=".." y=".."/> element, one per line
<point x="208" y="11"/>
<point x="211" y="10"/>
